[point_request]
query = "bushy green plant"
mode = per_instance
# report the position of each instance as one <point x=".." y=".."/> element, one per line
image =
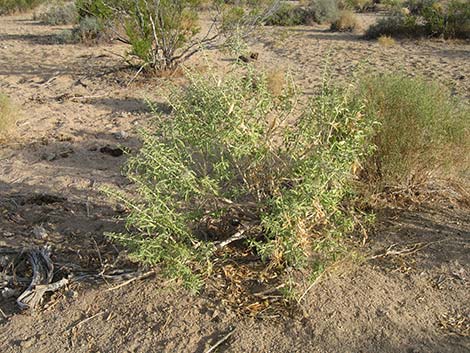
<point x="59" y="13"/>
<point x="289" y="15"/>
<point x="10" y="6"/>
<point x="324" y="11"/>
<point x="423" y="130"/>
<point x="164" y="33"/>
<point x="360" y="5"/>
<point x="89" y="30"/>
<point x="234" y="159"/>
<point x="396" y="25"/>
<point x="426" y="18"/>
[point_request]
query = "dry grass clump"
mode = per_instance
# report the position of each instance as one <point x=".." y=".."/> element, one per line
<point x="386" y="41"/>
<point x="424" y="132"/>
<point x="276" y="81"/>
<point x="8" y="116"/>
<point x="346" y="22"/>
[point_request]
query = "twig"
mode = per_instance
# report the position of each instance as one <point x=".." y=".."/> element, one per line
<point x="222" y="340"/>
<point x="142" y="276"/>
<point x="309" y="288"/>
<point x="404" y="252"/>
<point x="5" y="316"/>
<point x="87" y="319"/>
<point x="237" y="236"/>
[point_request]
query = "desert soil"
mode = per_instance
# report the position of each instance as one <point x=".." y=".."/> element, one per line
<point x="73" y="102"/>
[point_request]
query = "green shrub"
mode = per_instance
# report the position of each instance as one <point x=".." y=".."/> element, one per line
<point x="235" y="159"/>
<point x="324" y="11"/>
<point x="89" y="30"/>
<point x="162" y="34"/>
<point x="289" y="15"/>
<point x="396" y="25"/>
<point x="423" y="130"/>
<point x="10" y="6"/>
<point x="360" y="5"/>
<point x="426" y="18"/>
<point x="8" y="116"/>
<point x="59" y="14"/>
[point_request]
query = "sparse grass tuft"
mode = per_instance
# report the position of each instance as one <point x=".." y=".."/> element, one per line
<point x="8" y="116"/>
<point x="386" y="41"/>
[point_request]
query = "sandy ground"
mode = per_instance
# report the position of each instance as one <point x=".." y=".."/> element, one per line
<point x="73" y="103"/>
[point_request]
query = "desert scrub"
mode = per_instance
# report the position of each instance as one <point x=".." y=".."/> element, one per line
<point x="424" y="132"/>
<point x="289" y="15"/>
<point x="234" y="161"/>
<point x="59" y="13"/>
<point x="346" y="22"/>
<point x="11" y="6"/>
<point x="430" y="18"/>
<point x="324" y="11"/>
<point x="8" y="116"/>
<point x="163" y="34"/>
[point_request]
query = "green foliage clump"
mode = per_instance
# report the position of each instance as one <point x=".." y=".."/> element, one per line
<point x="359" y="5"/>
<point x="423" y="130"/>
<point x="89" y="29"/>
<point x="11" y="6"/>
<point x="233" y="158"/>
<point x="426" y="18"/>
<point x="289" y="15"/>
<point x="324" y="11"/>
<point x="59" y="13"/>
<point x="162" y="34"/>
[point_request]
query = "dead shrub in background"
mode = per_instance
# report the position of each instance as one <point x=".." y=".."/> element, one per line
<point x="8" y="116"/>
<point x="346" y="22"/>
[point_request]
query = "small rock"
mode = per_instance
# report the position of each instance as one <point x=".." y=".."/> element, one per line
<point x="49" y="157"/>
<point x="40" y="233"/>
<point x="121" y="135"/>
<point x="8" y="293"/>
<point x="28" y="343"/>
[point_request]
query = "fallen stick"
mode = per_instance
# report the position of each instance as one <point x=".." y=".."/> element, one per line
<point x="142" y="276"/>
<point x="237" y="236"/>
<point x="87" y="319"/>
<point x="43" y="271"/>
<point x="222" y="340"/>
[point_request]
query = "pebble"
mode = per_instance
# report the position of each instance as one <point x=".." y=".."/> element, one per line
<point x="121" y="135"/>
<point x="40" y="233"/>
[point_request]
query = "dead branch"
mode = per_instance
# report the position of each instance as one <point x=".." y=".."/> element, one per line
<point x="139" y="277"/>
<point x="222" y="340"/>
<point x="43" y="269"/>
<point x="237" y="236"/>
